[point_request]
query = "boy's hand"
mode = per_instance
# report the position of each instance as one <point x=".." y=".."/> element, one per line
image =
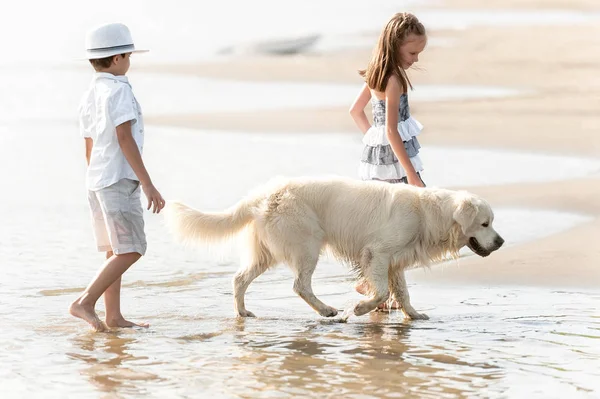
<point x="155" y="200"/>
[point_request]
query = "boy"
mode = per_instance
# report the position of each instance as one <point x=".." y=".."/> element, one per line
<point x="111" y="123"/>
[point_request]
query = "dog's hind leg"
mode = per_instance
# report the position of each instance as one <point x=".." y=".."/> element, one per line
<point x="260" y="260"/>
<point x="400" y="293"/>
<point x="376" y="274"/>
<point x="304" y="267"/>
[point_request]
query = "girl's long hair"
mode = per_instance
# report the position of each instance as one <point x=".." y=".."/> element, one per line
<point x="385" y="60"/>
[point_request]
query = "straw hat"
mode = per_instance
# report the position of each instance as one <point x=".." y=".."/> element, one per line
<point x="108" y="40"/>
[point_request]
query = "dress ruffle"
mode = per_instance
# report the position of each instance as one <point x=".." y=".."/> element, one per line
<point x="369" y="171"/>
<point x="377" y="135"/>
<point x="378" y="159"/>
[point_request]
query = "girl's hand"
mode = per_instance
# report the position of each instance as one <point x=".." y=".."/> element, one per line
<point x="414" y="180"/>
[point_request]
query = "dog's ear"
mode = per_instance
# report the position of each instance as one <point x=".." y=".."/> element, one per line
<point x="465" y="211"/>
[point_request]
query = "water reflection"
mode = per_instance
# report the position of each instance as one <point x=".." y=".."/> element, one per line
<point x="372" y="357"/>
<point x="110" y="361"/>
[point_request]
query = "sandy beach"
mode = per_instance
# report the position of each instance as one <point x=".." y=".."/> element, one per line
<point x="557" y="70"/>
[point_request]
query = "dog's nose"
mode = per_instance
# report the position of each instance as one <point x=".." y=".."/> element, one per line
<point x="498" y="241"/>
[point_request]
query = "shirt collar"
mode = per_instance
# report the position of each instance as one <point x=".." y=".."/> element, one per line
<point x="105" y="75"/>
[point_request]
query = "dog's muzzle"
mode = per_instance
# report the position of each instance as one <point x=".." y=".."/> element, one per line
<point x="474" y="245"/>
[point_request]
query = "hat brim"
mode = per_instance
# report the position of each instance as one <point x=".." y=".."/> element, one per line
<point x="109" y="52"/>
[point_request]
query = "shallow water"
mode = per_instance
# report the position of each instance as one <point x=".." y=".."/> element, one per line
<point x="485" y="342"/>
<point x="481" y="341"/>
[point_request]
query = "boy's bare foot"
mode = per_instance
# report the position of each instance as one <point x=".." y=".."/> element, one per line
<point x="122" y="323"/>
<point x="88" y="314"/>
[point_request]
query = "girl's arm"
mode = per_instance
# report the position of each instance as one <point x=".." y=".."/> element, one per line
<point x="357" y="110"/>
<point x="392" y="102"/>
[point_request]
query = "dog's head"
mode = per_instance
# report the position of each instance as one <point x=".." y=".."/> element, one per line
<point x="475" y="217"/>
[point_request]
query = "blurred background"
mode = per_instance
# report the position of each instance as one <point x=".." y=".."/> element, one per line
<point x="236" y="92"/>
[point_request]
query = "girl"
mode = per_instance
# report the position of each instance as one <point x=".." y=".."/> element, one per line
<point x="391" y="152"/>
<point x="391" y="147"/>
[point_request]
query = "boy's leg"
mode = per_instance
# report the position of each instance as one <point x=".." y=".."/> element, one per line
<point x="112" y="302"/>
<point x="112" y="297"/>
<point x="119" y="224"/>
<point x="111" y="271"/>
<point x="85" y="311"/>
<point x="125" y="223"/>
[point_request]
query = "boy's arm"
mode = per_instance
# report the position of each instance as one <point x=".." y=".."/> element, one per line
<point x="89" y="143"/>
<point x="133" y="156"/>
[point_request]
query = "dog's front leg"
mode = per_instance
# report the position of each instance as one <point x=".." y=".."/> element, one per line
<point x="400" y="294"/>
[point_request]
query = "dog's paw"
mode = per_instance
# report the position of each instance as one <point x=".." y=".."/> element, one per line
<point x="245" y="313"/>
<point x="414" y="315"/>
<point x="328" y="312"/>
<point x="364" y="307"/>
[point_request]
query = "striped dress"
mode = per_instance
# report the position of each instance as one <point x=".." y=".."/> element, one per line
<point x="378" y="161"/>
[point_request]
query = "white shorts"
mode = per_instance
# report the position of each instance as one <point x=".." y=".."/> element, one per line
<point x="118" y="218"/>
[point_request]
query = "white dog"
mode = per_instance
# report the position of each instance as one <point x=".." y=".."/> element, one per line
<point x="379" y="229"/>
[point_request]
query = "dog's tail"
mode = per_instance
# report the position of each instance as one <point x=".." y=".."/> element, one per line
<point x="191" y="225"/>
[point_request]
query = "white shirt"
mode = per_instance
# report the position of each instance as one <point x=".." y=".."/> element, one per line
<point x="107" y="103"/>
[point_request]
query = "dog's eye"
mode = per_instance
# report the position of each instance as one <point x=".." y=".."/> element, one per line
<point x="486" y="224"/>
